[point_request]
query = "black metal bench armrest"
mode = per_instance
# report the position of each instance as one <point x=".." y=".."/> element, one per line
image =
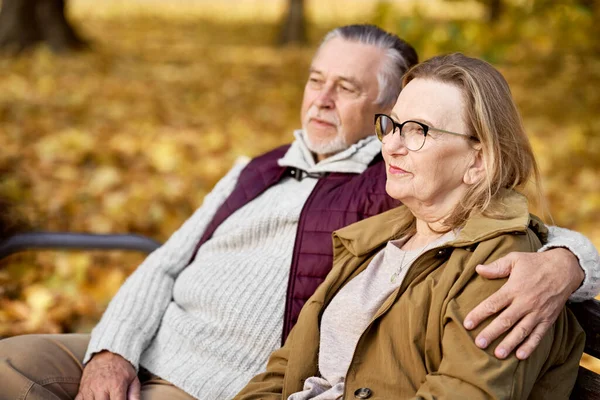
<point x="70" y="241"/>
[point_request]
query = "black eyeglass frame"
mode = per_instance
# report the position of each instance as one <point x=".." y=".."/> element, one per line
<point x="426" y="129"/>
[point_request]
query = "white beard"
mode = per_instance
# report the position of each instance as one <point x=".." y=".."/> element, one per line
<point x="332" y="146"/>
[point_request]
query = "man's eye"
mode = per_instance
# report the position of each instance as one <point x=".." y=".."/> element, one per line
<point x="347" y="89"/>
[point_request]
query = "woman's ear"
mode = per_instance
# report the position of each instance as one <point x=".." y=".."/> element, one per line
<point x="475" y="173"/>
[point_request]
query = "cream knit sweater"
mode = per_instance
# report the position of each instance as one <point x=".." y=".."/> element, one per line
<point x="210" y="327"/>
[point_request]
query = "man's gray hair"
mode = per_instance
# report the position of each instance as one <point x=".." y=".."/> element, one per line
<point x="399" y="57"/>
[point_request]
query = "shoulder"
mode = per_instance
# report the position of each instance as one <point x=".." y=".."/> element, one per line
<point x="465" y="286"/>
<point x="524" y="240"/>
<point x="466" y="257"/>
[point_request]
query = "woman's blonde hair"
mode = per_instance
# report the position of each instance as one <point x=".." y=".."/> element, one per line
<point x="492" y="116"/>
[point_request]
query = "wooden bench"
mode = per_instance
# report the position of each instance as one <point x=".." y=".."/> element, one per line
<point x="587" y="386"/>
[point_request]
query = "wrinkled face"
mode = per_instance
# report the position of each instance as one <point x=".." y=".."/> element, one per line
<point x="437" y="174"/>
<point x="339" y="97"/>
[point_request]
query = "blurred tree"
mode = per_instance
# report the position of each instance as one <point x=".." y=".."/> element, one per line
<point x="494" y="10"/>
<point x="293" y="29"/>
<point x="593" y="7"/>
<point x="24" y="23"/>
<point x="589" y="4"/>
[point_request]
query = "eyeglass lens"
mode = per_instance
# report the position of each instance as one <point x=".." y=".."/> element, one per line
<point x="412" y="132"/>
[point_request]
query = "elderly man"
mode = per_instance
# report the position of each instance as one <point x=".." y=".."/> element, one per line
<point x="201" y="315"/>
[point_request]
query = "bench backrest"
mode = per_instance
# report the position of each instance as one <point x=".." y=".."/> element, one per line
<point x="587" y="386"/>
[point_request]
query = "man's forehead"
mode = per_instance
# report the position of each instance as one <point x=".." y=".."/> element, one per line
<point x="346" y="59"/>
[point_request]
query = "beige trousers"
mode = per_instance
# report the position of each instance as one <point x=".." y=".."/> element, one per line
<point x="49" y="367"/>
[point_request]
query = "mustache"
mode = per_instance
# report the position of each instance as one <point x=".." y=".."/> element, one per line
<point x="314" y="112"/>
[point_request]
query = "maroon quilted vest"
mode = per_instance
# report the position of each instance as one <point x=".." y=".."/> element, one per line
<point x="338" y="199"/>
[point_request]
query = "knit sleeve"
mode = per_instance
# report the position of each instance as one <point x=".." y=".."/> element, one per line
<point x="133" y="316"/>
<point x="584" y="250"/>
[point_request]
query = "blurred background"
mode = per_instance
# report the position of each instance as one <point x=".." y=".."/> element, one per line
<point x="119" y="116"/>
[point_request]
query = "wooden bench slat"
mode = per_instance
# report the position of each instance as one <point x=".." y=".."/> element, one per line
<point x="587" y="386"/>
<point x="588" y="316"/>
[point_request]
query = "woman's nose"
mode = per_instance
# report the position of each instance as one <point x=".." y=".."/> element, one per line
<point x="393" y="143"/>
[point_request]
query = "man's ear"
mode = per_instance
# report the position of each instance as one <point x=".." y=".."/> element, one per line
<point x="475" y="173"/>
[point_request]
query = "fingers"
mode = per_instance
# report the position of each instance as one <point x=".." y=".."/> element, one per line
<point x="88" y="394"/>
<point x="501" y="268"/>
<point x="501" y="324"/>
<point x="107" y="376"/>
<point x="516" y="336"/>
<point x="527" y="304"/>
<point x="533" y="340"/>
<point x="134" y="390"/>
<point x="490" y="306"/>
<point x="119" y="393"/>
<point x="526" y="331"/>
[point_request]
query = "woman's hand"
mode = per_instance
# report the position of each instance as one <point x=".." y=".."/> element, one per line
<point x="538" y="286"/>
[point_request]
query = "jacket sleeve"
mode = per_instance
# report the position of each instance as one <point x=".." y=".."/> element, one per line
<point x="133" y="316"/>
<point x="269" y="385"/>
<point x="586" y="253"/>
<point x="468" y="372"/>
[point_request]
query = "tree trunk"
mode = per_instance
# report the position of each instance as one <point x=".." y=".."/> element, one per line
<point x="588" y="4"/>
<point x="294" y="25"/>
<point x="494" y="10"/>
<point x="25" y="23"/>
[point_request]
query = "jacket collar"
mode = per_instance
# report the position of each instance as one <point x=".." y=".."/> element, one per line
<point x="367" y="235"/>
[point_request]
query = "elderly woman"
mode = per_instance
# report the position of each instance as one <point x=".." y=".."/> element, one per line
<point x="387" y="322"/>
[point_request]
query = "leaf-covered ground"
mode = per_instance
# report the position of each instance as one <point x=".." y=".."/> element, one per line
<point x="131" y="135"/>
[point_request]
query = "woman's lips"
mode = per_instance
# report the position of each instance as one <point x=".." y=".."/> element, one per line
<point x="396" y="170"/>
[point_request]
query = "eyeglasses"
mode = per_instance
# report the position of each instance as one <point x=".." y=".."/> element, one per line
<point x="414" y="133"/>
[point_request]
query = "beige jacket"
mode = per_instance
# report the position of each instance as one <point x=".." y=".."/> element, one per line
<point x="416" y="346"/>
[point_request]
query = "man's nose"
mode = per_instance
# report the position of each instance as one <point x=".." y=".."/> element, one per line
<point x="325" y="98"/>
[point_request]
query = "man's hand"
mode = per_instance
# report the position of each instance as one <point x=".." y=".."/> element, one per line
<point x="108" y="376"/>
<point x="537" y="289"/>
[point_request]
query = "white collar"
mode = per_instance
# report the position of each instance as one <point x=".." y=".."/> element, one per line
<point x="355" y="159"/>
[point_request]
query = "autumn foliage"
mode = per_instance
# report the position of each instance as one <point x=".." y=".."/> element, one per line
<point x="130" y="136"/>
